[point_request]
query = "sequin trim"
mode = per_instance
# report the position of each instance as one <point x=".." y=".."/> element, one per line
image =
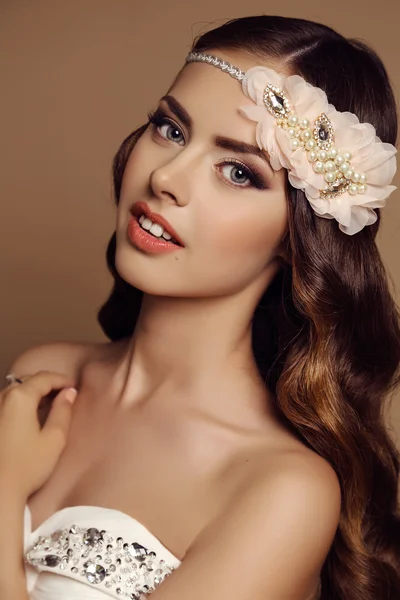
<point x="126" y="568"/>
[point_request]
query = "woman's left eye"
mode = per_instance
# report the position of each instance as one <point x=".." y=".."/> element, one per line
<point x="237" y="174"/>
<point x="241" y="176"/>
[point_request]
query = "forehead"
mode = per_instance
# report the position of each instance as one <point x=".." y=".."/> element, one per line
<point x="202" y="83"/>
<point x="202" y="88"/>
<point x="209" y="78"/>
<point x="212" y="97"/>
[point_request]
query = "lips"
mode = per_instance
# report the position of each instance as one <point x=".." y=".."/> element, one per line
<point x="141" y="208"/>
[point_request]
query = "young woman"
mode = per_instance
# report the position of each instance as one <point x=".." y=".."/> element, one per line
<point x="229" y="441"/>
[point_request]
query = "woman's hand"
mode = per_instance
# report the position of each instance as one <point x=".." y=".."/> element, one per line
<point x="29" y="453"/>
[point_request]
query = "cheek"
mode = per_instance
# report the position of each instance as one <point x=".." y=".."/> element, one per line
<point x="248" y="234"/>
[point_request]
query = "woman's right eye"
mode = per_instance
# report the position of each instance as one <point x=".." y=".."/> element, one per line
<point x="166" y="128"/>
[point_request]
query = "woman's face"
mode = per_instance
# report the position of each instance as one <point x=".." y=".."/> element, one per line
<point x="227" y="206"/>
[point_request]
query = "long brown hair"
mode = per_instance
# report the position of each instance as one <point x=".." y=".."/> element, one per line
<point x="326" y="334"/>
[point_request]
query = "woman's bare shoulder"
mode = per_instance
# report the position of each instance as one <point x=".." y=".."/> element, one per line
<point x="62" y="357"/>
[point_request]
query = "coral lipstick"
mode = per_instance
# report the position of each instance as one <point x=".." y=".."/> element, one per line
<point x="141" y="208"/>
<point x="143" y="240"/>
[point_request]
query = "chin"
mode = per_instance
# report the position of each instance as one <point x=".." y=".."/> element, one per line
<point x="137" y="270"/>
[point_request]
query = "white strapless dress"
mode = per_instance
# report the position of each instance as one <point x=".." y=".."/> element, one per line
<point x="93" y="553"/>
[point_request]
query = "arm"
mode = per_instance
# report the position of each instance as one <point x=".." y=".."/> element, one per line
<point x="12" y="572"/>
<point x="269" y="545"/>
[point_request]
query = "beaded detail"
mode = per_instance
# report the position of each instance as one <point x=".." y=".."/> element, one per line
<point x="128" y="569"/>
<point x="233" y="71"/>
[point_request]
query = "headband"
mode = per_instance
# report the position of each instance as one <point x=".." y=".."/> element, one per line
<point x="329" y="154"/>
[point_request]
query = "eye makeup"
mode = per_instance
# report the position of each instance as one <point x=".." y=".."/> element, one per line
<point x="254" y="175"/>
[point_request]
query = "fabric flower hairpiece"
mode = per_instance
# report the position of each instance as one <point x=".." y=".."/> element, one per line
<point x="344" y="169"/>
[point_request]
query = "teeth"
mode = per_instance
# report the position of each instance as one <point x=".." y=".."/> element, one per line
<point x="146" y="223"/>
<point x="154" y="228"/>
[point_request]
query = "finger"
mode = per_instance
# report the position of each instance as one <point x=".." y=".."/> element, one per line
<point x="12" y="382"/>
<point x="59" y="419"/>
<point x="11" y="378"/>
<point x="34" y="387"/>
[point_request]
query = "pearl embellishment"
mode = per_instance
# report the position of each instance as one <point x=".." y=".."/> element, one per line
<point x="317" y="141"/>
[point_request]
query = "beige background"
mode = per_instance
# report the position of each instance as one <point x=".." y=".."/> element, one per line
<point x="76" y="77"/>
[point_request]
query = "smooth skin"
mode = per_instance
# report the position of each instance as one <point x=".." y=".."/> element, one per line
<point x="179" y="412"/>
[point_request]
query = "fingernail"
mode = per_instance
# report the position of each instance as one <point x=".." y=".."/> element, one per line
<point x="70" y="394"/>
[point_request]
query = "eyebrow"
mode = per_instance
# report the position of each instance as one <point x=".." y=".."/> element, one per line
<point x="220" y="141"/>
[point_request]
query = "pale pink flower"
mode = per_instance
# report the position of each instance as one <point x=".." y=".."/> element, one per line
<point x="370" y="155"/>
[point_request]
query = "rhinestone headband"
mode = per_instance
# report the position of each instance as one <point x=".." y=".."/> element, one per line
<point x="329" y="154"/>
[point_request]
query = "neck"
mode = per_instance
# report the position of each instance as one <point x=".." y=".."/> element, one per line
<point x="191" y="351"/>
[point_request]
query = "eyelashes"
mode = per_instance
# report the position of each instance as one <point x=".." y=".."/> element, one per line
<point x="256" y="180"/>
<point x="158" y="118"/>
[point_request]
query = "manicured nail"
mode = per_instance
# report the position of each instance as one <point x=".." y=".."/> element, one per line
<point x="70" y="394"/>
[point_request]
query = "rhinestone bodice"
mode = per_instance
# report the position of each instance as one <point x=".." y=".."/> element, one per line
<point x="93" y="553"/>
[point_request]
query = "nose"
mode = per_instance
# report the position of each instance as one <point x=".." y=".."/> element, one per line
<point x="170" y="181"/>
